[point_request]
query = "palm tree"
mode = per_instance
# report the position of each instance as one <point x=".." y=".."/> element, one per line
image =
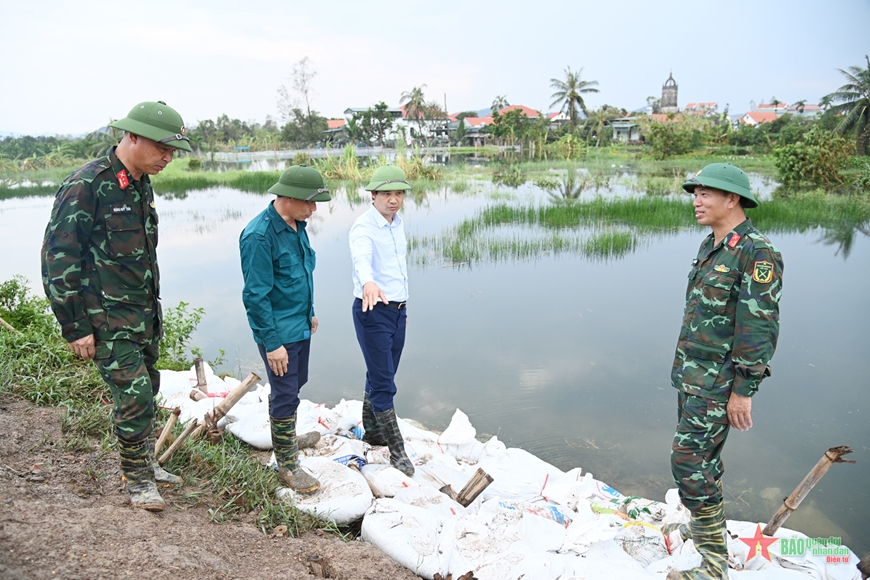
<point x="569" y="93"/>
<point x="499" y="103"/>
<point x="415" y="105"/>
<point x="854" y="104"/>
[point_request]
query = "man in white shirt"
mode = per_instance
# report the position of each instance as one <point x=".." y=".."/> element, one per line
<point x="380" y="280"/>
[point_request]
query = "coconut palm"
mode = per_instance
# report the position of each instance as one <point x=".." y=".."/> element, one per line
<point x="569" y="93"/>
<point x="854" y="104"/>
<point x="415" y="105"/>
<point x="499" y="103"/>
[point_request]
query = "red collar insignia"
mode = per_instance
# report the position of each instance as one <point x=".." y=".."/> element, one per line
<point x="123" y="180"/>
<point x="733" y="241"/>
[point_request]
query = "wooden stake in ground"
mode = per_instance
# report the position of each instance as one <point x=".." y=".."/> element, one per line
<point x="475" y="486"/>
<point x="210" y="420"/>
<point x="177" y="443"/>
<point x="791" y="503"/>
<point x="167" y="429"/>
<point x="198" y="393"/>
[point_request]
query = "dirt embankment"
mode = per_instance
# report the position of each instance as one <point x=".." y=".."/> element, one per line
<point x="65" y="515"/>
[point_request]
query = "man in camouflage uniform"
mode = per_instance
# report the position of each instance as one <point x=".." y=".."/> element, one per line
<point x="99" y="271"/>
<point x="729" y="333"/>
<point x="278" y="267"/>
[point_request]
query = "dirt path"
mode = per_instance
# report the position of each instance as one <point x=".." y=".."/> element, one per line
<point x="66" y="516"/>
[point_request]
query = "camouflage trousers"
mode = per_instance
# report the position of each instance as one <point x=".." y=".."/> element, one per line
<point x="696" y="461"/>
<point x="128" y="368"/>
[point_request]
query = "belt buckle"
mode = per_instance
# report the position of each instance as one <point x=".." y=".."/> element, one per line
<point x="402" y="305"/>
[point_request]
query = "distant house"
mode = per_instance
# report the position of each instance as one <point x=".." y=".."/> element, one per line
<point x="706" y="109"/>
<point x="755" y="118"/>
<point x="805" y="110"/>
<point x="336" y="130"/>
<point x="527" y="111"/>
<point x="558" y="119"/>
<point x="625" y="129"/>
<point x="778" y="108"/>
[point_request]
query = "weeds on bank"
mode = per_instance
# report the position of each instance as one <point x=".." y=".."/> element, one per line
<point x="38" y="366"/>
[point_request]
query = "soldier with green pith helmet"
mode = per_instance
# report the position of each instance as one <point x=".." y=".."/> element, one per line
<point x="278" y="268"/>
<point x="100" y="273"/>
<point x="729" y="333"/>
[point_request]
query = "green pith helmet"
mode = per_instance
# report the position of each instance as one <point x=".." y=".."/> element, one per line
<point x="156" y="121"/>
<point x="388" y="178"/>
<point x="301" y="182"/>
<point x="726" y="177"/>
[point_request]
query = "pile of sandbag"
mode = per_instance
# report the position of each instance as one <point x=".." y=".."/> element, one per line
<point x="532" y="521"/>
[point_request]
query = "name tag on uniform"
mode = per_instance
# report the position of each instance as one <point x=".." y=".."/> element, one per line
<point x="122" y="209"/>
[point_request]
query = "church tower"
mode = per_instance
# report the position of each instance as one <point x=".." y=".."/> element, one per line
<point x="669" y="95"/>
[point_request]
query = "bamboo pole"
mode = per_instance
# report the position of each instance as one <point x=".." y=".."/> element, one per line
<point x="201" y="382"/>
<point x="791" y="503"/>
<point x="198" y="393"/>
<point x="5" y="324"/>
<point x="475" y="486"/>
<point x="167" y="429"/>
<point x="177" y="443"/>
<point x="211" y="419"/>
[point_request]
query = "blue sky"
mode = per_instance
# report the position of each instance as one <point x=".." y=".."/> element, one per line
<point x="68" y="67"/>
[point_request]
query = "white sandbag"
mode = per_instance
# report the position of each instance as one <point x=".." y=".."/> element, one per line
<point x="605" y="559"/>
<point x="412" y="536"/>
<point x="349" y="415"/>
<point x="252" y="427"/>
<point x="459" y="441"/>
<point x="585" y="532"/>
<point x="438" y="475"/>
<point x="426" y="497"/>
<point x="312" y="417"/>
<point x="386" y="480"/>
<point x="516" y="473"/>
<point x="343" y="496"/>
<point x="174" y="389"/>
<point x="643" y="542"/>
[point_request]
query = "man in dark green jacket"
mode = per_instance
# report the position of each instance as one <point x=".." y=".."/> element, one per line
<point x="278" y="267"/>
<point x="99" y="271"/>
<point x="729" y="333"/>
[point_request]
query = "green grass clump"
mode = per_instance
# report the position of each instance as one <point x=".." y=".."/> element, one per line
<point x="227" y="477"/>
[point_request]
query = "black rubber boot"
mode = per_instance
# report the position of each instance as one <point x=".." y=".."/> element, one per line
<point x="372" y="432"/>
<point x="390" y="428"/>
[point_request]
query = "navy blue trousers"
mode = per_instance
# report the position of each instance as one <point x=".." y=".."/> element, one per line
<point x="381" y="336"/>
<point x="284" y="398"/>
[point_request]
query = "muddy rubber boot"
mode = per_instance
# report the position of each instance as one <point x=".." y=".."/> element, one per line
<point x="372" y="432"/>
<point x="709" y="535"/>
<point x="136" y="460"/>
<point x="160" y="474"/>
<point x="290" y="473"/>
<point x="390" y="428"/>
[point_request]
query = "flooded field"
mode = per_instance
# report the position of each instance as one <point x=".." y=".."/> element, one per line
<point x="557" y="337"/>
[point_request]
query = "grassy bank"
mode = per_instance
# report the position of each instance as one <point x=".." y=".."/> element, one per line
<point x="38" y="366"/>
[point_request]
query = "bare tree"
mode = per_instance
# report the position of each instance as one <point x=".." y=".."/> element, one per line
<point x="302" y="92"/>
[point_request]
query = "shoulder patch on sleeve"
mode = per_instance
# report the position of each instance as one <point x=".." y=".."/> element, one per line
<point x="762" y="271"/>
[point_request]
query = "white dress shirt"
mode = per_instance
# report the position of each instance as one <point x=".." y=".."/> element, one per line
<point x="378" y="249"/>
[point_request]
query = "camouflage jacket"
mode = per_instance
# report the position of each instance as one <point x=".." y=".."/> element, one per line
<point x="99" y="260"/>
<point x="731" y="321"/>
